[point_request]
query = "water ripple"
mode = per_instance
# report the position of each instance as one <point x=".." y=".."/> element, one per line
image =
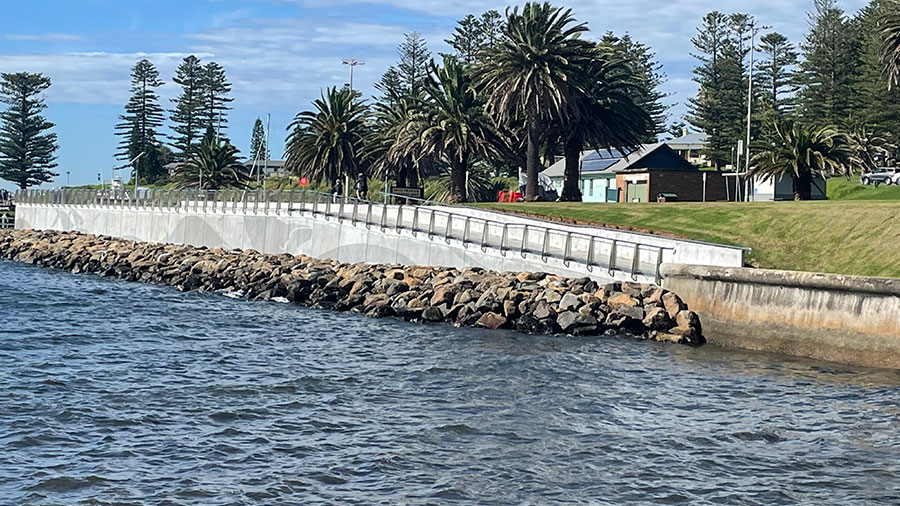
<point x="121" y="393"/>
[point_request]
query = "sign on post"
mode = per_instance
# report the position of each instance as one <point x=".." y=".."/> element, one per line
<point x="412" y="192"/>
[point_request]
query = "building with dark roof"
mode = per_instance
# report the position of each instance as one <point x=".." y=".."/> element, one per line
<point x="640" y="176"/>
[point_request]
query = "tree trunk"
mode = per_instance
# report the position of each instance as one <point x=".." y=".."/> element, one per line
<point x="532" y="163"/>
<point x="403" y="174"/>
<point x="802" y="186"/>
<point x="457" y="181"/>
<point x="571" y="176"/>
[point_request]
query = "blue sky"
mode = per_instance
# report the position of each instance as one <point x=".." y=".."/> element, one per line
<point x="279" y="54"/>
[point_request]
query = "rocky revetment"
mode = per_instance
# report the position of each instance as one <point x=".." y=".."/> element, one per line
<point x="537" y="303"/>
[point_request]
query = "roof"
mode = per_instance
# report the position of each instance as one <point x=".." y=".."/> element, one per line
<point x="657" y="156"/>
<point x="272" y="164"/>
<point x="691" y="140"/>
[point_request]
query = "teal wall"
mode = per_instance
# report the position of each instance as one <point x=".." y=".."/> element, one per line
<point x="593" y="188"/>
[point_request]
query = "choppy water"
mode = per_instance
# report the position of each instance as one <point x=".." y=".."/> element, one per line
<point x="121" y="393"/>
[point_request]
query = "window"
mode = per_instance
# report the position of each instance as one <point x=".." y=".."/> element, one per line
<point x="591" y="191"/>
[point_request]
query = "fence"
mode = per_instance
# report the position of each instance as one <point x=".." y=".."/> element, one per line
<point x="589" y="251"/>
<point x="6" y="221"/>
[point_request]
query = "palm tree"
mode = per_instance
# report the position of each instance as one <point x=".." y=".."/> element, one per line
<point x="801" y="152"/>
<point x="213" y="165"/>
<point x="389" y="149"/>
<point x="534" y="71"/>
<point x="328" y="142"/>
<point x="604" y="116"/>
<point x="890" y="33"/>
<point x="451" y="124"/>
<point x="867" y="146"/>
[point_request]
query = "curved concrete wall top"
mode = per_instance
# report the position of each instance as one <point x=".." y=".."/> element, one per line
<point x="678" y="250"/>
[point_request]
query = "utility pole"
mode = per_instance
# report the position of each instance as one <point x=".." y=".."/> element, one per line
<point x="67" y="179"/>
<point x="352" y="63"/>
<point x="753" y="31"/>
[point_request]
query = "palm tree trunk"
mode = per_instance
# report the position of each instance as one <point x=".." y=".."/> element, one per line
<point x="532" y="163"/>
<point x="457" y="181"/>
<point x="802" y="186"/>
<point x="571" y="176"/>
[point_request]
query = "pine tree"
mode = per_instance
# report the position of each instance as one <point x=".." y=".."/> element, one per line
<point x="648" y="76"/>
<point x="143" y="115"/>
<point x="413" y="66"/>
<point x="390" y="87"/>
<point x="880" y="103"/>
<point x="188" y="107"/>
<point x="216" y="89"/>
<point x="718" y="109"/>
<point x="27" y="153"/>
<point x="830" y="67"/>
<point x="473" y="35"/>
<point x="777" y="79"/>
<point x="258" y="149"/>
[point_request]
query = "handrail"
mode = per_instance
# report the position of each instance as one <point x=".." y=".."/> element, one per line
<point x="623" y="255"/>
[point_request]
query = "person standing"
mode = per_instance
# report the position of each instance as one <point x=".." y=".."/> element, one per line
<point x="336" y="190"/>
<point x="362" y="186"/>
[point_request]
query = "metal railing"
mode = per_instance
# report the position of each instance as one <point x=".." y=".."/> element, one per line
<point x="7" y="221"/>
<point x="570" y="247"/>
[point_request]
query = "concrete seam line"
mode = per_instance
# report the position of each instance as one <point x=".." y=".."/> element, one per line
<point x="789" y="279"/>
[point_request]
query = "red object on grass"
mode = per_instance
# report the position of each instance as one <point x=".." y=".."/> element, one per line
<point x="304" y="181"/>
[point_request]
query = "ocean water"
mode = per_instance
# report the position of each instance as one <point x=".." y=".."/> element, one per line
<point x="123" y="393"/>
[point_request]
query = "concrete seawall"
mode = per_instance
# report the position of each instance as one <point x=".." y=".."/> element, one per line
<point x="299" y="231"/>
<point x="846" y="319"/>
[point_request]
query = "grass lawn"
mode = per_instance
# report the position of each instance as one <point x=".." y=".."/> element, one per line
<point x="857" y="235"/>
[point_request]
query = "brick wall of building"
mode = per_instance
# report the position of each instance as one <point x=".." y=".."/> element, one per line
<point x="688" y="185"/>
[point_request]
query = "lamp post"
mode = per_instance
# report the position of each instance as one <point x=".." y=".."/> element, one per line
<point x="352" y="63"/>
<point x="137" y="178"/>
<point x="753" y="31"/>
<point x="67" y="178"/>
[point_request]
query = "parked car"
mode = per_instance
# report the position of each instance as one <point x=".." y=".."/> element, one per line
<point x="882" y="175"/>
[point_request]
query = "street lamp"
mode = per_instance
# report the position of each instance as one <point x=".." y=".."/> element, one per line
<point x="67" y="179"/>
<point x="352" y="64"/>
<point x="137" y="178"/>
<point x="753" y="31"/>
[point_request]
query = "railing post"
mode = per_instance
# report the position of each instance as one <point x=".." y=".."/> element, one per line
<point x="415" y="223"/>
<point x="341" y="200"/>
<point x="567" y="256"/>
<point x="465" y="240"/>
<point x="448" y="229"/>
<point x="399" y="218"/>
<point x="635" y="262"/>
<point x="355" y="211"/>
<point x="659" y="261"/>
<point x="546" y="244"/>
<point x="484" y="233"/>
<point x="612" y="257"/>
<point x="522" y="247"/>
<point x="503" y="240"/>
<point x="383" y="217"/>
<point x="368" y="214"/>
<point x="431" y="225"/>
<point x="590" y="253"/>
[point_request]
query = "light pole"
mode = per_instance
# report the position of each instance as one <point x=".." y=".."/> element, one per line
<point x="753" y="31"/>
<point x="352" y="63"/>
<point x="137" y="178"/>
<point x="67" y="179"/>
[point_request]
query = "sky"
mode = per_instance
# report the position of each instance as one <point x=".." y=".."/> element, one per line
<point x="280" y="54"/>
